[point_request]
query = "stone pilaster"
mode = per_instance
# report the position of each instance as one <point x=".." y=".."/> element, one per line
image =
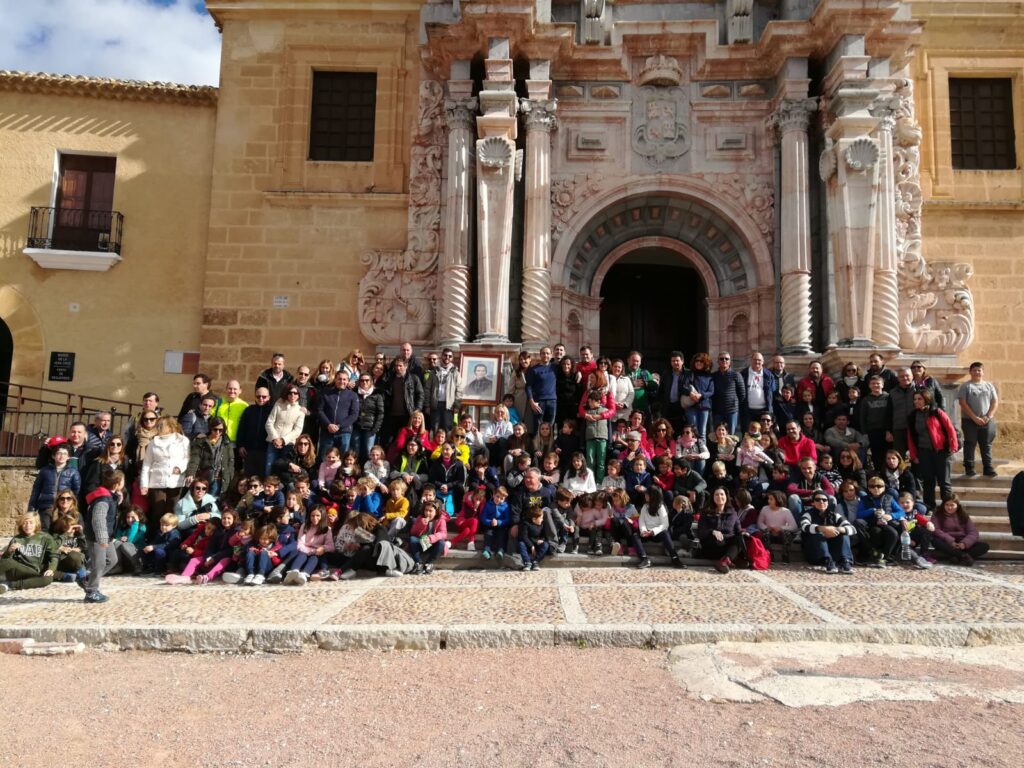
<point x="496" y="167"/>
<point x="791" y="121"/>
<point x="539" y="112"/>
<point x="885" y="321"/>
<point x="460" y="113"/>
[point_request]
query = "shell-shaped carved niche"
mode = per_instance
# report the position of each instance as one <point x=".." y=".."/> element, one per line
<point x="827" y="163"/>
<point x="494" y="152"/>
<point x="861" y="155"/>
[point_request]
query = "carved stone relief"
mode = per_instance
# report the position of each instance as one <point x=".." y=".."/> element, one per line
<point x="567" y="195"/>
<point x="661" y="131"/>
<point x="937" y="308"/>
<point x="755" y="196"/>
<point x="396" y="295"/>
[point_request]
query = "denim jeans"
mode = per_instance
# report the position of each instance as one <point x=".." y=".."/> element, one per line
<point x="547" y="412"/>
<point x="699" y="419"/>
<point x="428" y="555"/>
<point x="731" y="419"/>
<point x="362" y="442"/>
<point x="981" y="436"/>
<point x="538" y="555"/>
<point x="819" y="550"/>
<point x="339" y="440"/>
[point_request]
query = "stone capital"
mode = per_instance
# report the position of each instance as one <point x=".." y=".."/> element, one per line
<point x="460" y="113"/>
<point x="794" y="115"/>
<point x="539" y="114"/>
<point x="885" y="110"/>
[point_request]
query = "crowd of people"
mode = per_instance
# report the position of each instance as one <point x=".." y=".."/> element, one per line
<point x="373" y="465"/>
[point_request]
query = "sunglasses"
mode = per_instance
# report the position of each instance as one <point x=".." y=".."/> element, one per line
<point x="303" y="442"/>
<point x="876" y="487"/>
<point x="66" y="498"/>
<point x="149" y="418"/>
<point x="115" y="443"/>
<point x="198" y="487"/>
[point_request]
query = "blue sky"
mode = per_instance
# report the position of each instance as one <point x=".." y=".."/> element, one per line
<point x="170" y="40"/>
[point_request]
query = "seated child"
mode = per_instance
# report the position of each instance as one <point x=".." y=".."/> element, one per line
<point x="613" y="476"/>
<point x="468" y="520"/>
<point x="239" y="543"/>
<point x="561" y="522"/>
<point x="592" y="518"/>
<point x="71" y="545"/>
<point x="192" y="552"/>
<point x="681" y="522"/>
<point x="312" y="544"/>
<point x="259" y="557"/>
<point x="156" y="554"/>
<point x="396" y="508"/>
<point x="378" y="468"/>
<point x="329" y="468"/>
<point x="638" y="480"/>
<point x="368" y="500"/>
<point x="514" y="477"/>
<point x="129" y="537"/>
<point x="427" y="538"/>
<point x="654" y="526"/>
<point x="776" y="523"/>
<point x="533" y="543"/>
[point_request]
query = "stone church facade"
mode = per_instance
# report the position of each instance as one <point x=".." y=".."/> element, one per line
<point x="741" y="174"/>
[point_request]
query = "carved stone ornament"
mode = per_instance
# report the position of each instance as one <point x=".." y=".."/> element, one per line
<point x="495" y="152"/>
<point x="827" y="161"/>
<point x="861" y="155"/>
<point x="460" y="113"/>
<point x="660" y="70"/>
<point x="539" y="115"/>
<point x="936" y="305"/>
<point x="662" y="132"/>
<point x="396" y="295"/>
<point x="567" y="196"/>
<point x="755" y="196"/>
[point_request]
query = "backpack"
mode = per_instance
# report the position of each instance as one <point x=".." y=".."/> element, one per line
<point x="758" y="555"/>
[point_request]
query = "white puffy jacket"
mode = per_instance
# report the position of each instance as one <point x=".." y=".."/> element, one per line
<point x="285" y="422"/>
<point x="163" y="455"/>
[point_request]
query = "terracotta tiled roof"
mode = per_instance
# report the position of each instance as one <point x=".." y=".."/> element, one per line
<point x="106" y="88"/>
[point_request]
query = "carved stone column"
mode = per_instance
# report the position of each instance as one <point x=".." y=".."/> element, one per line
<point x="460" y="112"/>
<point x="540" y="120"/>
<point x="885" y="320"/>
<point x="496" y="167"/>
<point x="791" y="121"/>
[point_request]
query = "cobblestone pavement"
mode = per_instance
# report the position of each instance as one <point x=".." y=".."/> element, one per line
<point x="578" y="606"/>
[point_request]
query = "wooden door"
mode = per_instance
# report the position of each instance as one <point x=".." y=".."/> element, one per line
<point x="85" y="199"/>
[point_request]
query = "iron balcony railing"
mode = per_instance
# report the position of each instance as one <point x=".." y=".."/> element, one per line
<point x="75" y="229"/>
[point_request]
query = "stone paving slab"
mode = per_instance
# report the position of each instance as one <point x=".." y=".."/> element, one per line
<point x="500" y="608"/>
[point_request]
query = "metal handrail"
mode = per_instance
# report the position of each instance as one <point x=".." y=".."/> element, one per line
<point x="76" y="229"/>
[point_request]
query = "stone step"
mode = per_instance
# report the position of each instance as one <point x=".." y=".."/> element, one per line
<point x="1004" y="540"/>
<point x="992" y="522"/>
<point x="972" y="494"/>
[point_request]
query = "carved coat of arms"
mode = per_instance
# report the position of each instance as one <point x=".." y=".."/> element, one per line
<point x="661" y="131"/>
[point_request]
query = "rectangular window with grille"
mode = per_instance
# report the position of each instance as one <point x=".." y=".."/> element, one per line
<point x="981" y="123"/>
<point x="342" y="117"/>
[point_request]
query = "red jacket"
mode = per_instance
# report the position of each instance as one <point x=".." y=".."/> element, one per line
<point x="826" y="384"/>
<point x="940" y="428"/>
<point x="792" y="452"/>
<point x="421" y="527"/>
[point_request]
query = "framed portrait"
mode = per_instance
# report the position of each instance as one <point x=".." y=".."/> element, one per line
<point x="481" y="378"/>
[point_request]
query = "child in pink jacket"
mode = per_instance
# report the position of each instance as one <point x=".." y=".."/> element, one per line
<point x="314" y="542"/>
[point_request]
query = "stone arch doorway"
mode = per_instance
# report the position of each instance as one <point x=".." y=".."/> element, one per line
<point x="706" y="232"/>
<point x="653" y="300"/>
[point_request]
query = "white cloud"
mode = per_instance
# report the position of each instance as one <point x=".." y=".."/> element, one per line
<point x="165" y="40"/>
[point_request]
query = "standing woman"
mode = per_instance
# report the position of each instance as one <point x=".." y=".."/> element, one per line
<point x="112" y="457"/>
<point x="932" y="441"/>
<point x="163" y="471"/>
<point x="284" y="425"/>
<point x="212" y="458"/>
<point x="295" y="460"/>
<point x="621" y="388"/>
<point x="352" y="365"/>
<point x="566" y="387"/>
<point x="371" y="415"/>
<point x="135" y="448"/>
<point x="517" y="388"/>
<point x="702" y="384"/>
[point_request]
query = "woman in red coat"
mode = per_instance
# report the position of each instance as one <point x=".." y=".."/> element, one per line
<point x="932" y="441"/>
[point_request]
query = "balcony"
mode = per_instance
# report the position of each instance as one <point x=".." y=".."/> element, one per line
<point x="73" y="238"/>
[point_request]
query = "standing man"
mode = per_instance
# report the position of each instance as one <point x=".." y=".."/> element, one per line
<point x="275" y="378"/>
<point x="672" y="387"/>
<point x="644" y="386"/>
<point x="230" y="408"/>
<point x="759" y="384"/>
<point x="558" y="353"/>
<point x="876" y="367"/>
<point x="783" y="378"/>
<point x="403" y="396"/>
<point x="444" y="393"/>
<point x="586" y="365"/>
<point x="338" y="411"/>
<point x="978" y="403"/>
<point x="819" y="383"/>
<point x="730" y="396"/>
<point x="98" y="433"/>
<point x="540" y="387"/>
<point x="196" y="421"/>
<point x="200" y="387"/>
<point x="252" y="433"/>
<point x="902" y="397"/>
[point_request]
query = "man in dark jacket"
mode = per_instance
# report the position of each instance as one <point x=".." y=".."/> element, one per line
<point x="404" y="394"/>
<point x="200" y="387"/>
<point x="252" y="433"/>
<point x="730" y="396"/>
<point x="672" y="387"/>
<point x="902" y="397"/>
<point x="338" y="411"/>
<point x="540" y="388"/>
<point x="275" y="378"/>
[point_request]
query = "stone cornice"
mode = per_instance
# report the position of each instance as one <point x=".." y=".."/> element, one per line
<point x="107" y="88"/>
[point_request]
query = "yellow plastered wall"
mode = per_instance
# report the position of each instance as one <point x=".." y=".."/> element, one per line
<point x="973" y="216"/>
<point x="281" y="225"/>
<point x="150" y="302"/>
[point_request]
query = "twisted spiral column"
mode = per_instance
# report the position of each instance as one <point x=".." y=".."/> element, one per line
<point x="536" y="305"/>
<point x="455" y="305"/>
<point x="536" y="309"/>
<point x="885" y="320"/>
<point x="796" y="310"/>
<point x="454" y="318"/>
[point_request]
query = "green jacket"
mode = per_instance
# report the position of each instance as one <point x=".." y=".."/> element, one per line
<point x="38" y="551"/>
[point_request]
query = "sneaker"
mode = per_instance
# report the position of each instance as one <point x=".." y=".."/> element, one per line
<point x="830" y="567"/>
<point x="486" y="554"/>
<point x="303" y="579"/>
<point x="845" y="568"/>
<point x="561" y="548"/>
<point x="677" y="563"/>
<point x="276" y="577"/>
<point x="66" y="578"/>
<point x="258" y="579"/>
<point x="95" y="597"/>
<point x="177" y="578"/>
<point x="292" y="579"/>
<point x="334" y="575"/>
<point x="501" y="554"/>
<point x="722" y="566"/>
<point x="575" y="550"/>
<point x="966" y="560"/>
<point x="616" y="548"/>
<point x="417" y="570"/>
<point x="203" y="579"/>
<point x="535" y="566"/>
<point x="4" y="589"/>
<point x="599" y="551"/>
<point x="471" y="546"/>
<point x="231" y="577"/>
<point x="921" y="564"/>
<point x="393" y="573"/>
<point x="990" y="473"/>
<point x="428" y="569"/>
<point x="970" y="473"/>
<point x="644" y="563"/>
<point x="247" y="581"/>
<point x="526" y="566"/>
<point x="447" y="548"/>
<point x="349" y="574"/>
